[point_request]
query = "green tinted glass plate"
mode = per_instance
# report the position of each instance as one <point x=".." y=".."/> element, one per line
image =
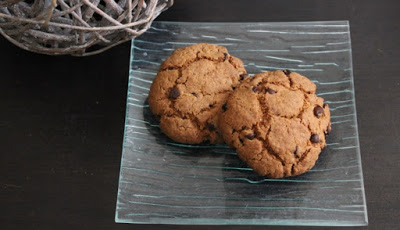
<point x="162" y="182"/>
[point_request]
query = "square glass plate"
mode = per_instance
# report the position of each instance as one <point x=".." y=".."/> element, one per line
<point x="162" y="182"/>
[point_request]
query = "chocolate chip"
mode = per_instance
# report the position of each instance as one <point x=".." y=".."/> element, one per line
<point x="210" y="105"/>
<point x="271" y="91"/>
<point x="174" y="93"/>
<point x="211" y="127"/>
<point x="287" y="72"/>
<point x="328" y="130"/>
<point x="251" y="136"/>
<point x="324" y="105"/>
<point x="224" y="107"/>
<point x="255" y="89"/>
<point x="225" y="56"/>
<point x="318" y="111"/>
<point x="194" y="94"/>
<point x="243" y="76"/>
<point x="314" y="138"/>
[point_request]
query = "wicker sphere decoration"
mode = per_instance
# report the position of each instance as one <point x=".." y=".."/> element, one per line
<point x="76" y="27"/>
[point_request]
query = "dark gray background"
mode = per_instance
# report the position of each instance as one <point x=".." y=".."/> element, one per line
<point x="61" y="118"/>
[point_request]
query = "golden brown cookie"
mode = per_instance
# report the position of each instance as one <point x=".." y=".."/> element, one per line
<point x="189" y="90"/>
<point x="276" y="123"/>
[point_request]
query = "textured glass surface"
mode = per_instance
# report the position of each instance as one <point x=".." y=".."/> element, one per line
<point x="170" y="183"/>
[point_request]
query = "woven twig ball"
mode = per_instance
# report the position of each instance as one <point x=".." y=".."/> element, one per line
<point x="76" y="27"/>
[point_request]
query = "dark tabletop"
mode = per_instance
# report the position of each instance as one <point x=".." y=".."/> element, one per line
<point x="62" y="118"/>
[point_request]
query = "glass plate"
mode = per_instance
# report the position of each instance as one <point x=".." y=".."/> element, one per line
<point x="162" y="182"/>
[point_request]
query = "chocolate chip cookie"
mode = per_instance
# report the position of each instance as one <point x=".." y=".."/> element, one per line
<point x="190" y="89"/>
<point x="276" y="123"/>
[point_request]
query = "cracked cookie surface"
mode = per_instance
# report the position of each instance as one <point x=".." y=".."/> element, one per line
<point x="276" y="123"/>
<point x="190" y="89"/>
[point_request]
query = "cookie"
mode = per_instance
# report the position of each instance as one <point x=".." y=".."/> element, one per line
<point x="276" y="123"/>
<point x="189" y="90"/>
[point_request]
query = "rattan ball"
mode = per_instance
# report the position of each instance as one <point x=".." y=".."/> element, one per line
<point x="76" y="27"/>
